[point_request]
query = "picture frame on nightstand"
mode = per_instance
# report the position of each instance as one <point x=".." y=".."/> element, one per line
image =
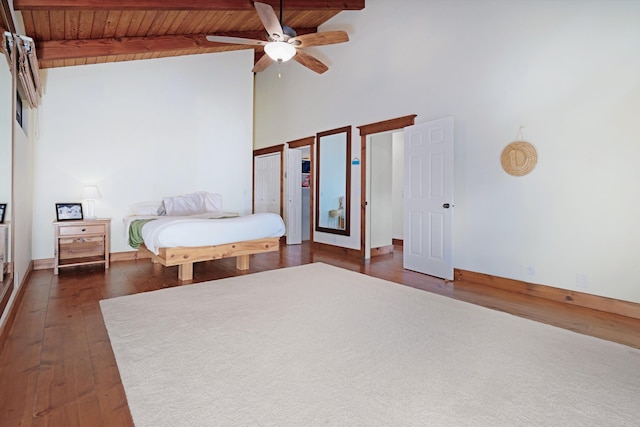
<point x="3" y="208"/>
<point x="69" y="211"/>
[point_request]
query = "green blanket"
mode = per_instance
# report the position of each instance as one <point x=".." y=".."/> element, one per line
<point x="135" y="232"/>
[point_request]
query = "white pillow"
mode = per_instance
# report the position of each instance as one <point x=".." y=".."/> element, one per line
<point x="145" y="208"/>
<point x="191" y="204"/>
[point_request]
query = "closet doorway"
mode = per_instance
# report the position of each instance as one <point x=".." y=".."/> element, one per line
<point x="267" y="180"/>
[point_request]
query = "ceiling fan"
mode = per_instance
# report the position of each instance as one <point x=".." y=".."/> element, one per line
<point x="283" y="43"/>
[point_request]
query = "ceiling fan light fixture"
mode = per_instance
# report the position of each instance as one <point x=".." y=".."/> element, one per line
<point x="280" y="51"/>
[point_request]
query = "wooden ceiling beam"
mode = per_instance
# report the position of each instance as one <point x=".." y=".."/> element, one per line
<point x="90" y="48"/>
<point x="183" y="4"/>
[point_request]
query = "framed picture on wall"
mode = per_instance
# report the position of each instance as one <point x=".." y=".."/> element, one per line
<point x="69" y="211"/>
<point x="3" y="208"/>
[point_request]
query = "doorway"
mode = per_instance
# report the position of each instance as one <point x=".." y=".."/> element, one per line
<point x="385" y="213"/>
<point x="387" y="126"/>
<point x="428" y="193"/>
<point x="300" y="190"/>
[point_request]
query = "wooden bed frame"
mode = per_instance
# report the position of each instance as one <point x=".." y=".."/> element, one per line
<point x="184" y="257"/>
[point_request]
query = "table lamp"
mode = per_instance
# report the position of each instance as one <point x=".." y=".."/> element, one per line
<point x="91" y="193"/>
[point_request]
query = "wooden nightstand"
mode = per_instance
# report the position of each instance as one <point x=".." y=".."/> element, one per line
<point x="81" y="243"/>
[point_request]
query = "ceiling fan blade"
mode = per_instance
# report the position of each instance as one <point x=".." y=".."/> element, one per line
<point x="262" y="63"/>
<point x="269" y="20"/>
<point x="320" y="39"/>
<point x="310" y="62"/>
<point x="235" y="40"/>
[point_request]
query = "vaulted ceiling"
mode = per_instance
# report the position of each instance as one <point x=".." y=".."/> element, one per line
<point x="77" y="32"/>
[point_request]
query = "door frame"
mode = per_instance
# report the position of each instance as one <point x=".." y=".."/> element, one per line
<point x="366" y="130"/>
<point x="299" y="143"/>
<point x="262" y="152"/>
<point x="293" y="196"/>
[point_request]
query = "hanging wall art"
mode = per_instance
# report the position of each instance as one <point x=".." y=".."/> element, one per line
<point x="520" y="157"/>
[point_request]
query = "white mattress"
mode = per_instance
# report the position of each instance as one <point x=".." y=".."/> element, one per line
<point x="200" y="230"/>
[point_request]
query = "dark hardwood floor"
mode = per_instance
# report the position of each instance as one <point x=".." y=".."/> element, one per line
<point x="57" y="367"/>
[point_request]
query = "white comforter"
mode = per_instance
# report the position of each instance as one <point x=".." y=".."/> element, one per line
<point x="200" y="230"/>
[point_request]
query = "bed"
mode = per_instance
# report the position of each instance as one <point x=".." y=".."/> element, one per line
<point x="185" y="239"/>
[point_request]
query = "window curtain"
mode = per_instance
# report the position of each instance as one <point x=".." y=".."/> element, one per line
<point x="28" y="71"/>
<point x="7" y="47"/>
<point x="24" y="49"/>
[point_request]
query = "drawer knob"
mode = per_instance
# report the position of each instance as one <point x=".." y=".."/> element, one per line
<point x="84" y="229"/>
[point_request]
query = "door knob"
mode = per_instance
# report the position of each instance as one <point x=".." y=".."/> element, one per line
<point x="446" y="206"/>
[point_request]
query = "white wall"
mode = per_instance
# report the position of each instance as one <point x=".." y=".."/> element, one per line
<point x="143" y="130"/>
<point x="397" y="184"/>
<point x="22" y="197"/>
<point x="568" y="71"/>
<point x="380" y="170"/>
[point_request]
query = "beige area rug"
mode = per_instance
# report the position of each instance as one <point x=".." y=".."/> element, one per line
<point x="320" y="345"/>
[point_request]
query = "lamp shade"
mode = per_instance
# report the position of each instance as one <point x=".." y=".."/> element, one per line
<point x="91" y="192"/>
<point x="280" y="51"/>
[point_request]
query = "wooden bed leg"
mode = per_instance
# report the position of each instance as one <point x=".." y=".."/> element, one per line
<point x="185" y="271"/>
<point x="242" y="262"/>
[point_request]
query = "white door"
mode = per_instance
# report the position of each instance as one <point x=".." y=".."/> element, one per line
<point x="294" y="197"/>
<point x="428" y="198"/>
<point x="267" y="184"/>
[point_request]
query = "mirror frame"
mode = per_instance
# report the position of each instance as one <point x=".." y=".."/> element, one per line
<point x="347" y="162"/>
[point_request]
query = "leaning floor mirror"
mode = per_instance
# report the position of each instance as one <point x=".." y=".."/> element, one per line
<point x="6" y="124"/>
<point x="333" y="174"/>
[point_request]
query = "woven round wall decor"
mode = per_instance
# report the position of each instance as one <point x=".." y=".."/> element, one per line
<point x="519" y="158"/>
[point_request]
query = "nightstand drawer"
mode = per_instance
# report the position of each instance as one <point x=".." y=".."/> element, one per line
<point x="81" y="229"/>
<point x="81" y="247"/>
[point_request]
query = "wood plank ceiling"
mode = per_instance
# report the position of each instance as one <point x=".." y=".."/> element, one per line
<point x="78" y="32"/>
